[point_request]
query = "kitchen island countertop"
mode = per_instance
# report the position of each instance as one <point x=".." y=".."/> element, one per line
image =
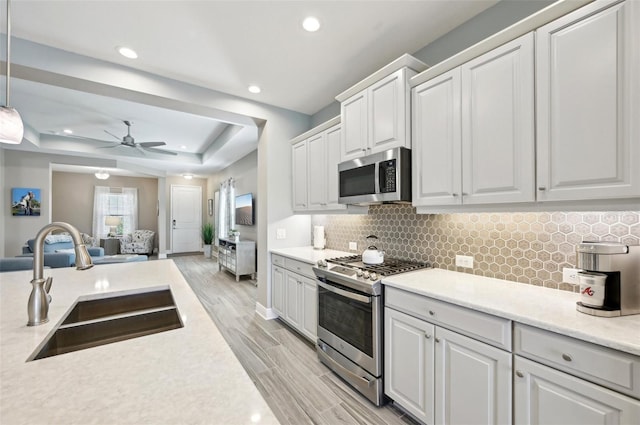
<point x="186" y="375"/>
<point x="544" y="308"/>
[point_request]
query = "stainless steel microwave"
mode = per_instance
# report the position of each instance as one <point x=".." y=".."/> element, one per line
<point x="377" y="178"/>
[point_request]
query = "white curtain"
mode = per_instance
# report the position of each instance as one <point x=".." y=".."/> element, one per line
<point x="123" y="204"/>
<point x="100" y="206"/>
<point x="227" y="204"/>
<point x="130" y="212"/>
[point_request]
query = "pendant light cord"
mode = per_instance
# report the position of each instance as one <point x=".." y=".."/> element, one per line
<point x="8" y="48"/>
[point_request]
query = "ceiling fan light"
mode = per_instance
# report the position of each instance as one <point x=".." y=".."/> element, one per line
<point x="102" y="174"/>
<point x="11" y="127"/>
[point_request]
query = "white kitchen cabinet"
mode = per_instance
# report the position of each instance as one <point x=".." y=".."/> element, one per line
<point x="294" y="294"/>
<point x="278" y="290"/>
<point x="543" y="395"/>
<point x="409" y="363"/>
<point x="473" y="131"/>
<point x="588" y="103"/>
<point x="443" y="377"/>
<point x="377" y="118"/>
<point x="315" y="158"/>
<point x="299" y="175"/>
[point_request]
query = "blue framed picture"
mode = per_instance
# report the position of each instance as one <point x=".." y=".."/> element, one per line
<point x="25" y="201"/>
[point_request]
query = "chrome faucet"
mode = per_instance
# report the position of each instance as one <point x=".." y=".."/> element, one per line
<point x="38" y="304"/>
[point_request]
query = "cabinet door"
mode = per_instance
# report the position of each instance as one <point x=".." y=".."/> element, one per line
<point x="387" y="113"/>
<point x="309" y="315"/>
<point x="409" y="363"/>
<point x="437" y="141"/>
<point x="588" y="97"/>
<point x="546" y="396"/>
<point x="498" y="152"/>
<point x="354" y="127"/>
<point x="317" y="171"/>
<point x="299" y="169"/>
<point x="292" y="303"/>
<point x="473" y="381"/>
<point x="332" y="140"/>
<point x="278" y="290"/>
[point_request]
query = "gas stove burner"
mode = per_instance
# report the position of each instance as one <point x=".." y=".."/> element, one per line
<point x="389" y="267"/>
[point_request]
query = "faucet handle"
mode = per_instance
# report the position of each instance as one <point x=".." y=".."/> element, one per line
<point x="47" y="284"/>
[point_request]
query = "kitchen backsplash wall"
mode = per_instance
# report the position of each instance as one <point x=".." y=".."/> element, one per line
<point x="530" y="247"/>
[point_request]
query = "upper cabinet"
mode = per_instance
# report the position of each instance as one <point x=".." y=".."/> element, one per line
<point x="473" y="130"/>
<point x="375" y="112"/>
<point x="315" y="156"/>
<point x="588" y="103"/>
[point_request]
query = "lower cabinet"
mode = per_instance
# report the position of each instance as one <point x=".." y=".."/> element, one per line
<point x="294" y="296"/>
<point x="444" y="377"/>
<point x="543" y="395"/>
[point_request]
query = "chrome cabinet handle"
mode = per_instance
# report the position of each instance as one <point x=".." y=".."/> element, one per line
<point x="428" y="336"/>
<point x="542" y="188"/>
<point x="437" y="339"/>
<point x="432" y="313"/>
<point x="566" y="357"/>
<point x="465" y="194"/>
<point x="454" y="194"/>
<point x="519" y="374"/>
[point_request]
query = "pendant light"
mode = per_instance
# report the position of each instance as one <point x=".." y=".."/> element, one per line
<point x="11" y="128"/>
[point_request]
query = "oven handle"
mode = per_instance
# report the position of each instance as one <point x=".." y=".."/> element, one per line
<point x="347" y="294"/>
<point x="335" y="365"/>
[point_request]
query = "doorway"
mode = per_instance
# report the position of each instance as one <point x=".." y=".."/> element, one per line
<point x="186" y="218"/>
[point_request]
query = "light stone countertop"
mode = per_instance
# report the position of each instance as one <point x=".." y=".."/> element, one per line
<point x="308" y="254"/>
<point x="545" y="308"/>
<point x="187" y="375"/>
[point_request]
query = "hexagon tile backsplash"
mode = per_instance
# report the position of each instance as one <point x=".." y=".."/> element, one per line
<point x="530" y="247"/>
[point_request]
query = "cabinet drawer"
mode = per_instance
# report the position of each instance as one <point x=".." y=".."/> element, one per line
<point x="277" y="260"/>
<point x="609" y="368"/>
<point x="481" y="326"/>
<point x="299" y="267"/>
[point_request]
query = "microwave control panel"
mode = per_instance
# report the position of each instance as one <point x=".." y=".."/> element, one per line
<point x="387" y="175"/>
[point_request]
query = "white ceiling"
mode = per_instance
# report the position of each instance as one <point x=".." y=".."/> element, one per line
<point x="219" y="45"/>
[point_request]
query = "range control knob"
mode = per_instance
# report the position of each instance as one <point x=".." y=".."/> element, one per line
<point x="322" y="263"/>
<point x="359" y="272"/>
<point x="365" y="275"/>
<point x="373" y="276"/>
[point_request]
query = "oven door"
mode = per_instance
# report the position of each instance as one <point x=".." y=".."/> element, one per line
<point x="350" y="322"/>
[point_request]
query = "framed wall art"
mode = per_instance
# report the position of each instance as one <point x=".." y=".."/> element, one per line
<point x="25" y="201"/>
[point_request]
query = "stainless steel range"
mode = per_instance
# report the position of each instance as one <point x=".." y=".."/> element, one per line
<point x="350" y="323"/>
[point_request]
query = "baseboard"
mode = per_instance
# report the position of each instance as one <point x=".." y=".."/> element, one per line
<point x="265" y="313"/>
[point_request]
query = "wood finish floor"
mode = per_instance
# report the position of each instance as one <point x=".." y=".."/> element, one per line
<point x="282" y="364"/>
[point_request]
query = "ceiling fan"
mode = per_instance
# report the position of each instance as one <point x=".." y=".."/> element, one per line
<point x="129" y="141"/>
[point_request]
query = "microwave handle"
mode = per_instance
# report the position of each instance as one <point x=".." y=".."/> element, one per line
<point x="376" y="176"/>
<point x="347" y="294"/>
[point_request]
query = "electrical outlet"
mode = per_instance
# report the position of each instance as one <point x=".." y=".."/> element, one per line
<point x="353" y="246"/>
<point x="570" y="275"/>
<point x="465" y="261"/>
<point x="281" y="233"/>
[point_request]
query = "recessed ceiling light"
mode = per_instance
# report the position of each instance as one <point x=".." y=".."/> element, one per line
<point x="127" y="52"/>
<point x="311" y="24"/>
<point x="67" y="131"/>
<point x="183" y="147"/>
<point x="254" y="89"/>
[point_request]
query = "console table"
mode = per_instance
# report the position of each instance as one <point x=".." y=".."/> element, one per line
<point x="238" y="257"/>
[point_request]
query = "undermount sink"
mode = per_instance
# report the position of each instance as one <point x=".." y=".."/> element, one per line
<point x="101" y="320"/>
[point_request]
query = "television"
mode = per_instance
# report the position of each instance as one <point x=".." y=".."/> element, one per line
<point x="244" y="209"/>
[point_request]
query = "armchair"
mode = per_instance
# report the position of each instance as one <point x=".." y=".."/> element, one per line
<point x="138" y="242"/>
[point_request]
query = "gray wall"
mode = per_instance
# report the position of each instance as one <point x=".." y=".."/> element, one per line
<point x="72" y="199"/>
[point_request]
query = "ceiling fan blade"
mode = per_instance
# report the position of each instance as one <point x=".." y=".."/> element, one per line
<point x="139" y="149"/>
<point x="113" y="135"/>
<point x="151" y="144"/>
<point x="107" y="147"/>
<point x="155" y="150"/>
<point x="73" y="136"/>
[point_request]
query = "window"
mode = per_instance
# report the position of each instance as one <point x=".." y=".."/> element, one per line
<point x="111" y="202"/>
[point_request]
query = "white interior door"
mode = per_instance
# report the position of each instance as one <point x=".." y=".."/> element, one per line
<point x="186" y="218"/>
